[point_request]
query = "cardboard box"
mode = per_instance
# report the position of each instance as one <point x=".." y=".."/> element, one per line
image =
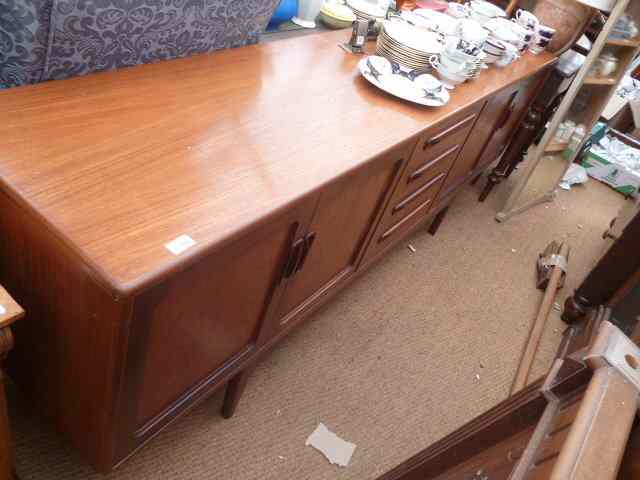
<point x="621" y="179"/>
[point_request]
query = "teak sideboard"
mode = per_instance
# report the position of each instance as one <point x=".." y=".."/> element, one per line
<point x="289" y="171"/>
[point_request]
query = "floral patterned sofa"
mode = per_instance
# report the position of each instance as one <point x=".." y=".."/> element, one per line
<point x="54" y="39"/>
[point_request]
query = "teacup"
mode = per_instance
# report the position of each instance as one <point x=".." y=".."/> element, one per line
<point x="494" y="47"/>
<point x="510" y="55"/>
<point x="524" y="34"/>
<point x="538" y="45"/>
<point x="471" y="31"/>
<point x="454" y="44"/>
<point x="545" y="32"/>
<point x="486" y="9"/>
<point x="449" y="79"/>
<point x="455" y="63"/>
<point x="527" y="19"/>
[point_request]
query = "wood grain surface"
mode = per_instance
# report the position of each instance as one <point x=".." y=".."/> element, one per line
<point x="118" y="164"/>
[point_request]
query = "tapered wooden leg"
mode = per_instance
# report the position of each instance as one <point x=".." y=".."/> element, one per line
<point x="435" y="225"/>
<point x="235" y="388"/>
<point x="476" y="178"/>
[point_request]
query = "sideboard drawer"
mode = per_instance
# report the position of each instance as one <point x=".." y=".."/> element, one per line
<point x="412" y="201"/>
<point x="385" y="235"/>
<point x="436" y="151"/>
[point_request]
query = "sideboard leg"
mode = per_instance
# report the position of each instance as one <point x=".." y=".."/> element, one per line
<point x="235" y="388"/>
<point x="435" y="225"/>
<point x="476" y="178"/>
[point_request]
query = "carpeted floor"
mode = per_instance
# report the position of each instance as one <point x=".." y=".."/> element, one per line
<point x="390" y="364"/>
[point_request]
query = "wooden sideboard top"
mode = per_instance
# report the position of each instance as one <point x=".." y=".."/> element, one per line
<point x="120" y="163"/>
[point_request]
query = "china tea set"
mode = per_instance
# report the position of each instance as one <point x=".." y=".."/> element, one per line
<point x="457" y="44"/>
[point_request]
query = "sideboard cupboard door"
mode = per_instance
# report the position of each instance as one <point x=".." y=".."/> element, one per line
<point x="507" y="109"/>
<point x="346" y="214"/>
<point x="190" y="333"/>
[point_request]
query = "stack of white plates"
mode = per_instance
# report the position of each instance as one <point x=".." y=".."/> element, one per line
<point x="367" y="11"/>
<point x="408" y="45"/>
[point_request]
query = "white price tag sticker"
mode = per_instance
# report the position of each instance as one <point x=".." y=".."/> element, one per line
<point x="180" y="244"/>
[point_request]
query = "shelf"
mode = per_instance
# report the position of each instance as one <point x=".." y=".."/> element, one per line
<point x="631" y="42"/>
<point x="601" y="81"/>
<point x="556" y="147"/>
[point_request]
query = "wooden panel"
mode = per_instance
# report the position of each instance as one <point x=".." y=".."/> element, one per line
<point x="121" y="162"/>
<point x="69" y="346"/>
<point x="345" y="215"/>
<point x="519" y="413"/>
<point x="507" y="109"/>
<point x="495" y="462"/>
<point x="188" y="331"/>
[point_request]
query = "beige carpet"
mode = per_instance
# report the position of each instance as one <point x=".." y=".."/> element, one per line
<point x="390" y="364"/>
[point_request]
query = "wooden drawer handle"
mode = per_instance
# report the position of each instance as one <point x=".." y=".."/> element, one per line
<point x="440" y="136"/>
<point x="420" y="171"/>
<point x="395" y="227"/>
<point x="403" y="203"/>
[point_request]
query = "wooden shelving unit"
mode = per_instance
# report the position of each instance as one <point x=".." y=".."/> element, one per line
<point x="597" y="92"/>
<point x="601" y="81"/>
<point x="633" y="42"/>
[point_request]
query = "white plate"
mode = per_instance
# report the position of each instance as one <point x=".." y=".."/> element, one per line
<point x="367" y="8"/>
<point x="437" y="21"/>
<point x="400" y="86"/>
<point x="413" y="37"/>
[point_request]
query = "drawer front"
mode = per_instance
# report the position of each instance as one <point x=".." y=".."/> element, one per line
<point x="414" y="210"/>
<point x="395" y="230"/>
<point x="436" y="151"/>
<point x="404" y="207"/>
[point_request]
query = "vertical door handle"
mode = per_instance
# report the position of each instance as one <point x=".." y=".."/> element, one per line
<point x="308" y="242"/>
<point x="295" y="254"/>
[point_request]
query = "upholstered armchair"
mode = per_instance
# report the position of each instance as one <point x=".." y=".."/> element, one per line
<point x="55" y="39"/>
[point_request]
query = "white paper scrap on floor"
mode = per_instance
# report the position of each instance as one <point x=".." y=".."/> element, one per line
<point x="337" y="450"/>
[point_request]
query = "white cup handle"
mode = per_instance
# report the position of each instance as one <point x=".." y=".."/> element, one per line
<point x="434" y="61"/>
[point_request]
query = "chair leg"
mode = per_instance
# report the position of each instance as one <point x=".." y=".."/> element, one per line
<point x="233" y="393"/>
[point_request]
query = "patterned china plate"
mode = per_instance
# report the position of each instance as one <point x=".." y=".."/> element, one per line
<point x="423" y="89"/>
